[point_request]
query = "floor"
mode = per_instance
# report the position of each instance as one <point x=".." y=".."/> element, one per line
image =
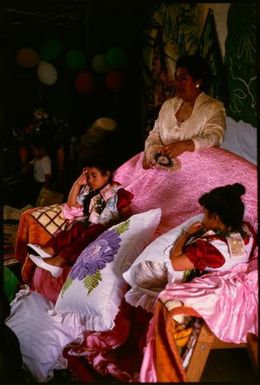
<point x="224" y="366"/>
<point x="229" y="366"/>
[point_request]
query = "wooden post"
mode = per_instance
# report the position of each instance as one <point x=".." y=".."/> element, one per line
<point x="200" y="354"/>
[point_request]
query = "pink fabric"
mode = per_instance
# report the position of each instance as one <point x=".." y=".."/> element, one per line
<point x="227" y="301"/>
<point x="230" y="300"/>
<point x="71" y="213"/>
<point x="99" y="345"/>
<point x="47" y="285"/>
<point x="148" y="370"/>
<point x="111" y="352"/>
<point x="177" y="193"/>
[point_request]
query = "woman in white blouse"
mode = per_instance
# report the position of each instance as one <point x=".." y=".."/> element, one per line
<point x="190" y="121"/>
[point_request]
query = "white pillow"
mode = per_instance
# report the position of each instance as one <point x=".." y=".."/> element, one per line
<point x="241" y="139"/>
<point x="152" y="270"/>
<point x="95" y="288"/>
<point x="42" y="338"/>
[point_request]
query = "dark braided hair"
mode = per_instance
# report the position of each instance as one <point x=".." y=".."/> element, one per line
<point x="225" y="201"/>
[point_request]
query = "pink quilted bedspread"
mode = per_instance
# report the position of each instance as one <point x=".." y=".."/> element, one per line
<point x="177" y="193"/>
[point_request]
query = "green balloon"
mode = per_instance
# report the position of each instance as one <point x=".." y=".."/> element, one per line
<point x="51" y="50"/>
<point x="116" y="58"/>
<point x="75" y="59"/>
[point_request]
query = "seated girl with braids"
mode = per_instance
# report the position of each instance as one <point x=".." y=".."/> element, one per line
<point x="219" y="241"/>
<point x="222" y="239"/>
<point x="95" y="202"/>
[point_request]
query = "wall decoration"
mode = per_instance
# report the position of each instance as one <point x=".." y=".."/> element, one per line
<point x="27" y="57"/>
<point x="76" y="59"/>
<point x="209" y="48"/>
<point x="240" y="61"/>
<point x="51" y="50"/>
<point x="85" y="82"/>
<point x="171" y="30"/>
<point x="47" y="73"/>
<point x="99" y="64"/>
<point x="116" y="58"/>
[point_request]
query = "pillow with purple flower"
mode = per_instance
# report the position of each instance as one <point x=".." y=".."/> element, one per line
<point x="95" y="288"/>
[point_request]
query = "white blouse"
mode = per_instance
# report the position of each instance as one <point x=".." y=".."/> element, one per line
<point x="205" y="126"/>
<point x="41" y="167"/>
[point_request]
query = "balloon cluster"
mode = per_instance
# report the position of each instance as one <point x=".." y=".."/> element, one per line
<point x="111" y="64"/>
<point x="108" y="65"/>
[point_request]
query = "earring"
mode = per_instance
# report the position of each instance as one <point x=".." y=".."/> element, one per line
<point x="197" y="85"/>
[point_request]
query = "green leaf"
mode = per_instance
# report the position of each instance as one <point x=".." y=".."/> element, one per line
<point x="92" y="281"/>
<point x="122" y="227"/>
<point x="66" y="285"/>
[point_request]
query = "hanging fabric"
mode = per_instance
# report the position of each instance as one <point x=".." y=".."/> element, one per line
<point x="209" y="48"/>
<point x="171" y="31"/>
<point x="240" y="61"/>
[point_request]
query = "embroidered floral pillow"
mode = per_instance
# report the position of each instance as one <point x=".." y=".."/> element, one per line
<point x="94" y="288"/>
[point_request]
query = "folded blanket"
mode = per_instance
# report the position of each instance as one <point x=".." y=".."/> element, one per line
<point x="51" y="217"/>
<point x="29" y="231"/>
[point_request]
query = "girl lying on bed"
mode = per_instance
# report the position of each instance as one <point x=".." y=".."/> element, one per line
<point x="94" y="203"/>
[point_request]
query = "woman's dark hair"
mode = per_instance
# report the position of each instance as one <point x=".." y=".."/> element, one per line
<point x="198" y="69"/>
<point x="225" y="201"/>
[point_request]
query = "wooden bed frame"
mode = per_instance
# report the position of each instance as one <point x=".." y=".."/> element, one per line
<point x="206" y="342"/>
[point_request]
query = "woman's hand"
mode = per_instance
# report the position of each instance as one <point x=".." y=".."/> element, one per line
<point x="194" y="228"/>
<point x="146" y="164"/>
<point x="177" y="148"/>
<point x="178" y="258"/>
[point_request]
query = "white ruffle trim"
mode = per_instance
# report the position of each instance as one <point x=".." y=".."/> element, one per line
<point x="142" y="297"/>
<point x="83" y="322"/>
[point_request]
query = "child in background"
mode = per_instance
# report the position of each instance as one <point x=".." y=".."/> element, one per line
<point x="53" y="130"/>
<point x="95" y="202"/>
<point x="41" y="167"/>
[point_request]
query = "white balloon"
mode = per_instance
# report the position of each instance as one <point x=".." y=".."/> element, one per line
<point x="47" y="73"/>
